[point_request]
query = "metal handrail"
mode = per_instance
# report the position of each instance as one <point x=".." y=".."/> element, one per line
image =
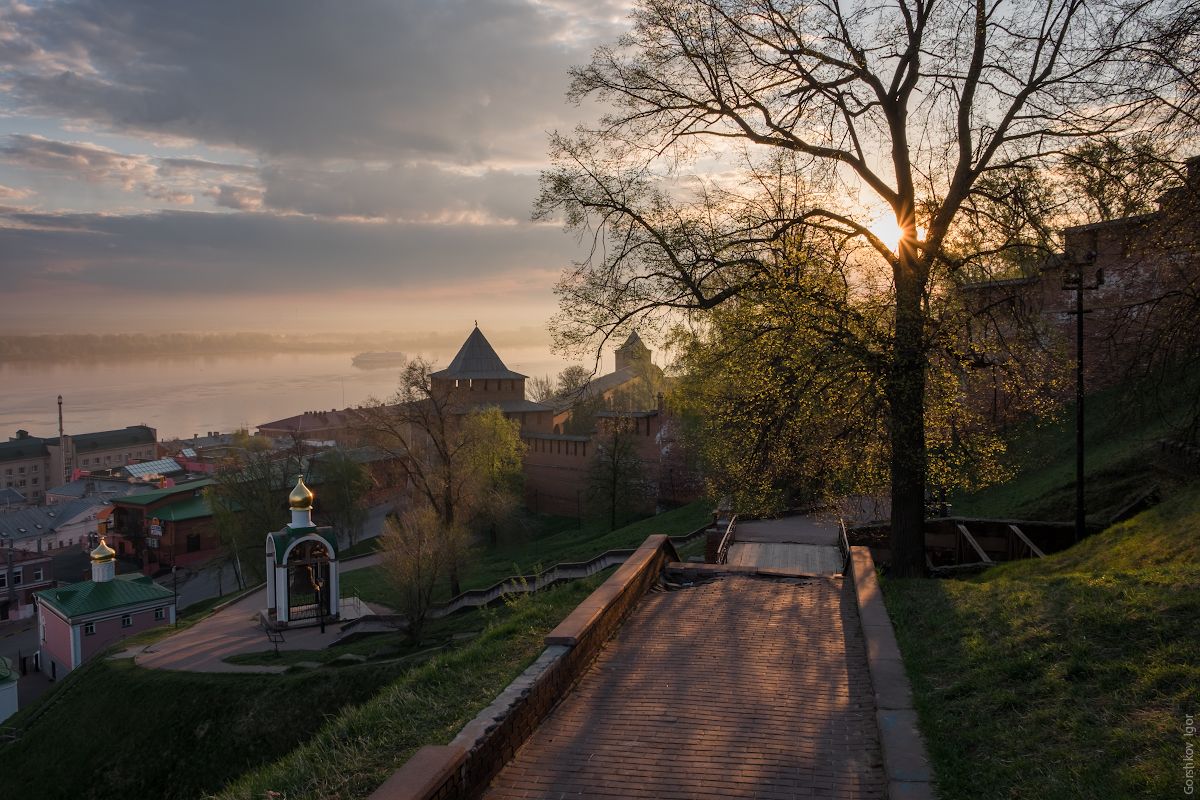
<point x="726" y="541"/>
<point x="844" y="544"/>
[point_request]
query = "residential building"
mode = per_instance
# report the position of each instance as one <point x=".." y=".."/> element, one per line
<point x="77" y="621"/>
<point x="21" y="575"/>
<point x="315" y="426"/>
<point x="48" y="529"/>
<point x="25" y="465"/>
<point x="166" y="527"/>
<point x="33" y="464"/>
<point x="8" y="689"/>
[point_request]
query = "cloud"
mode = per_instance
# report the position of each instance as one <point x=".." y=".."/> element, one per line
<point x="407" y="192"/>
<point x="239" y="198"/>
<point x="214" y="254"/>
<point x="175" y="181"/>
<point x="456" y="80"/>
<point x="88" y="162"/>
<point x="13" y="193"/>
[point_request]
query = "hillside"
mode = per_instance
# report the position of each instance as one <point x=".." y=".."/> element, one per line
<point x="1064" y="677"/>
<point x="245" y="734"/>
<point x="1123" y="427"/>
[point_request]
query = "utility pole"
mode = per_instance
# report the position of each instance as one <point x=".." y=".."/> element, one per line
<point x="1076" y="282"/>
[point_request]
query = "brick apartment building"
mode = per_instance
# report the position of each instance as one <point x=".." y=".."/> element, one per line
<point x="33" y="464"/>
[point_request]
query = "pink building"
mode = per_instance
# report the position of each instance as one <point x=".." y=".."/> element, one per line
<point x="78" y="621"/>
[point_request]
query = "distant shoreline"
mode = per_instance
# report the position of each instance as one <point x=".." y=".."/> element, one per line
<point x="74" y="346"/>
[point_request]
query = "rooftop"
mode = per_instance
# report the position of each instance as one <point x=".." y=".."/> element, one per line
<point x="477" y="359"/>
<point x="27" y="523"/>
<point x="22" y="448"/>
<point x="148" y="498"/>
<point x="104" y="440"/>
<point x="98" y="487"/>
<point x="311" y="421"/>
<point x="90" y="597"/>
<point x="11" y="497"/>
<point x="186" y="508"/>
<point x="161" y="466"/>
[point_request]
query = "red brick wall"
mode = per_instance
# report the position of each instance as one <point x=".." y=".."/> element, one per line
<point x="463" y="769"/>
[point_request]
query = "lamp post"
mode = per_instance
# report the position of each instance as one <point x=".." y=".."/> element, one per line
<point x="175" y="594"/>
<point x="1076" y="282"/>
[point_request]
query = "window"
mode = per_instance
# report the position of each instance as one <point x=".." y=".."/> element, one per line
<point x="34" y="481"/>
<point x="20" y="470"/>
<point x="37" y="573"/>
<point x="16" y="577"/>
<point x="160" y="613"/>
<point x="126" y="620"/>
<point x="89" y="628"/>
<point x="34" y="468"/>
<point x="3" y="580"/>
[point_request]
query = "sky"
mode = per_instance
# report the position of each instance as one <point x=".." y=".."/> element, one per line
<point x="298" y="166"/>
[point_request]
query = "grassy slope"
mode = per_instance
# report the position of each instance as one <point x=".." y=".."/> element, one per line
<point x="124" y="731"/>
<point x="1066" y="677"/>
<point x="361" y="745"/>
<point x="1119" y="439"/>
<point x="560" y="541"/>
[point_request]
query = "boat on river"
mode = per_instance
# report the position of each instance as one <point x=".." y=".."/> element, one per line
<point x="379" y="360"/>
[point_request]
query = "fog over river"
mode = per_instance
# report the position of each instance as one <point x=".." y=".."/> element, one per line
<point x="196" y="394"/>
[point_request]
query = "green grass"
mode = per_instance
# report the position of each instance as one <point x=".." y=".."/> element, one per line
<point x="1065" y="677"/>
<point x="361" y="746"/>
<point x="438" y="633"/>
<point x="557" y="540"/>
<point x="1122" y="426"/>
<point x="124" y="731"/>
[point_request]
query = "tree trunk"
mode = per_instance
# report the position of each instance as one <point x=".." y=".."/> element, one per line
<point x="906" y="399"/>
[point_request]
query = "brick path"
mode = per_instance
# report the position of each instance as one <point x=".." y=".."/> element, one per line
<point x="741" y="687"/>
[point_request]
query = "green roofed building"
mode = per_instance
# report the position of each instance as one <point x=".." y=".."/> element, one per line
<point x="166" y="527"/>
<point x="77" y="621"/>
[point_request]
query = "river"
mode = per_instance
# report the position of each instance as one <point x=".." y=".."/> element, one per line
<point x="184" y="396"/>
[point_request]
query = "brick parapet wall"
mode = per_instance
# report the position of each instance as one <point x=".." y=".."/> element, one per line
<point x="463" y="768"/>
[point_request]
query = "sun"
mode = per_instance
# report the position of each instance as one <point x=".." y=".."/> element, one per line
<point x="885" y="227"/>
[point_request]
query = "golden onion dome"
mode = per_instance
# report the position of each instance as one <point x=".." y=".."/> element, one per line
<point x="301" y="498"/>
<point x="103" y="552"/>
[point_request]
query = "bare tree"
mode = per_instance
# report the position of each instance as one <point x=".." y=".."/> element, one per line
<point x="904" y="106"/>
<point x="618" y="485"/>
<point x="540" y="389"/>
<point x="417" y="551"/>
<point x="439" y="450"/>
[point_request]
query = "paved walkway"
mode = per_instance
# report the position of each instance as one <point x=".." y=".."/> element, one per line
<point x="799" y="544"/>
<point x="740" y="687"/>
<point x="235" y="629"/>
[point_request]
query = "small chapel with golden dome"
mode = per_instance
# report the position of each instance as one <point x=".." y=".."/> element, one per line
<point x="302" y="568"/>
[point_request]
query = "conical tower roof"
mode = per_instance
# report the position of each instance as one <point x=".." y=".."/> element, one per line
<point x="477" y="360"/>
<point x="634" y="342"/>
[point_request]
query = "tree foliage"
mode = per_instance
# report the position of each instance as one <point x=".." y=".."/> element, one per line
<point x="344" y="485"/>
<point x="905" y="107"/>
<point x="448" y="452"/>
<point x="417" y="551"/>
<point x="618" y="485"/>
<point x="1114" y="177"/>
<point x="247" y="500"/>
